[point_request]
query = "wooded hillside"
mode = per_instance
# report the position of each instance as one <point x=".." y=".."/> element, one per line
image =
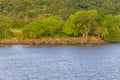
<point x="24" y="19"/>
<point x="62" y="8"/>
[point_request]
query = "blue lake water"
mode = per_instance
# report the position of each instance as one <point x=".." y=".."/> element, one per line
<point x="84" y="62"/>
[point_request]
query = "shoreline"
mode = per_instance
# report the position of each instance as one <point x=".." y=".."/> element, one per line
<point x="52" y="41"/>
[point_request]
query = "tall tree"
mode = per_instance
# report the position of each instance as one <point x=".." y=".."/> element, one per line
<point x="82" y="23"/>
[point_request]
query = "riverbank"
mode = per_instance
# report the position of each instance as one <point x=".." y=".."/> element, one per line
<point x="51" y="41"/>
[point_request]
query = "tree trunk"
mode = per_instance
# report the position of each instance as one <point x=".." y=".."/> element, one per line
<point x="87" y="33"/>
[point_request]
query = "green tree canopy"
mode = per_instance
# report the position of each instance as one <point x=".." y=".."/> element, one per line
<point x="5" y="25"/>
<point x="113" y="25"/>
<point x="47" y="27"/>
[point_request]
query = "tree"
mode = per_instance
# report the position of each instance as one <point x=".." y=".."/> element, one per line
<point x="82" y="23"/>
<point x="52" y="25"/>
<point x="32" y="8"/>
<point x="5" y="25"/>
<point x="47" y="27"/>
<point x="18" y="23"/>
<point x="113" y="25"/>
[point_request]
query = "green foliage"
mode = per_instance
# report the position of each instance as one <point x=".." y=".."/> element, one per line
<point x="82" y="22"/>
<point x="113" y="24"/>
<point x="18" y="23"/>
<point x="92" y="23"/>
<point x="17" y="33"/>
<point x="47" y="27"/>
<point x="83" y="18"/>
<point x="62" y="8"/>
<point x="5" y="25"/>
<point x="33" y="30"/>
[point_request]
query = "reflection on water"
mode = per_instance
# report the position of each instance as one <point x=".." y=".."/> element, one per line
<point x="83" y="62"/>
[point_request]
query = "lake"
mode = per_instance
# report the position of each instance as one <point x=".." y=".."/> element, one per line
<point x="83" y="62"/>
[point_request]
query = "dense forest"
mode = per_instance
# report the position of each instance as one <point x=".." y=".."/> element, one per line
<point x="33" y="19"/>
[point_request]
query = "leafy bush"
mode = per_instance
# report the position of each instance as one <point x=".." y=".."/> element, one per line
<point x="113" y="25"/>
<point x="84" y="23"/>
<point x="5" y="25"/>
<point x="47" y="27"/>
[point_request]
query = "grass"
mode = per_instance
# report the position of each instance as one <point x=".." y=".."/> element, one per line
<point x="17" y="32"/>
